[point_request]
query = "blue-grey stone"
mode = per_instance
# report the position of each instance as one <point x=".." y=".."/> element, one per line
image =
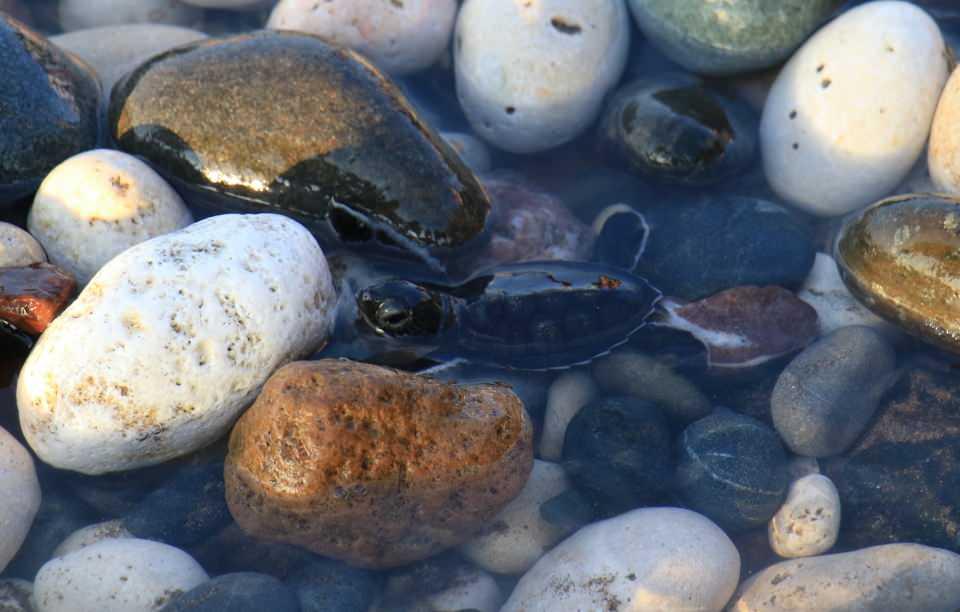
<point x="240" y="592"/>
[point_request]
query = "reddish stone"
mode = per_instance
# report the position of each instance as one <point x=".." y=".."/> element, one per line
<point x="32" y="296"/>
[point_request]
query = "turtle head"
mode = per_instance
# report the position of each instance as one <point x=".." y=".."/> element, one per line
<point x="402" y="309"/>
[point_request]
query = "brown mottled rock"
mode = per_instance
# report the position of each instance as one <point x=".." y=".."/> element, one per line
<point x="374" y="466"/>
<point x="746" y="326"/>
<point x="32" y="296"/>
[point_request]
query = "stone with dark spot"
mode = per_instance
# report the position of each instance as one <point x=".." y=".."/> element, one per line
<point x="32" y="296"/>
<point x="374" y="466"/>
<point x="48" y="108"/>
<point x="331" y="586"/>
<point x="338" y="147"/>
<point x="240" y="592"/>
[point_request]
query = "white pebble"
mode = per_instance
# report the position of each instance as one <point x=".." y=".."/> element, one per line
<point x="809" y="521"/>
<point x="171" y="340"/>
<point x="518" y="536"/>
<point x="126" y="575"/>
<point x="233" y="5"/>
<point x="570" y="392"/>
<point x="91" y="534"/>
<point x="647" y="559"/>
<point x="850" y="112"/>
<point x="533" y="75"/>
<point x="473" y="590"/>
<point x="98" y="204"/>
<point x="19" y="496"/>
<point x="80" y="14"/>
<point x="400" y="37"/>
<point x="18" y="247"/>
<point x="943" y="158"/>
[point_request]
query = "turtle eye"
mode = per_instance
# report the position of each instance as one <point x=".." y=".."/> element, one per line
<point x="394" y="316"/>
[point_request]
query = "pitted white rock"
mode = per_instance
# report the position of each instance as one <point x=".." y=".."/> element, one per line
<point x="808" y="523"/>
<point x="171" y="340"/>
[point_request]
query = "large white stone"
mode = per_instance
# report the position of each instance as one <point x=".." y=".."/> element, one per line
<point x="90" y="535"/>
<point x="18" y="247"/>
<point x="117" y="575"/>
<point x="809" y="521"/>
<point x="894" y="577"/>
<point x="400" y="37"/>
<point x="850" y="112"/>
<point x="943" y="158"/>
<point x="647" y="559"/>
<point x="533" y="75"/>
<point x="19" y="496"/>
<point x="171" y="340"/>
<point x="80" y="14"/>
<point x="95" y="205"/>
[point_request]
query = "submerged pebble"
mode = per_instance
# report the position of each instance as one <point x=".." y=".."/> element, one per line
<point x="238" y="592"/>
<point x="18" y="247"/>
<point x="808" y="522"/>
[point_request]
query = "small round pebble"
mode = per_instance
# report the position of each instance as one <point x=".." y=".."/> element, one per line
<point x="532" y="75"/>
<point x="18" y="247"/>
<point x="570" y="392"/>
<point x="326" y="585"/>
<point x="81" y="14"/>
<point x="125" y="575"/>
<point x="808" y="523"/>
<point x="239" y="592"/>
<point x="91" y="534"/>
<point x="98" y="204"/>
<point x="19" y="496"/>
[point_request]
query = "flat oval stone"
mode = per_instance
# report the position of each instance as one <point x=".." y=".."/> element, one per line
<point x="336" y="145"/>
<point x="901" y="258"/>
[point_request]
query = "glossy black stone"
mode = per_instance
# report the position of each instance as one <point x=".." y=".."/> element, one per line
<point x="331" y="586"/>
<point x="240" y="592"/>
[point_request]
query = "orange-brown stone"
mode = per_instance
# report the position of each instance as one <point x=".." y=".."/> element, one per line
<point x="374" y="466"/>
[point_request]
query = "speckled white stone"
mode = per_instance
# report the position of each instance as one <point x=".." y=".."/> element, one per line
<point x="80" y="14"/>
<point x="400" y="37"/>
<point x="127" y="575"/>
<point x="91" y="534"/>
<point x="533" y="75"/>
<point x="171" y="340"/>
<point x="647" y="559"/>
<point x="518" y="536"/>
<point x="864" y="89"/>
<point x="18" y="247"/>
<point x="809" y="521"/>
<point x="570" y="392"/>
<point x="97" y="204"/>
<point x="19" y="496"/>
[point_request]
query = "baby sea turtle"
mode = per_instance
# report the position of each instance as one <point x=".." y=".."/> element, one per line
<point x="532" y="316"/>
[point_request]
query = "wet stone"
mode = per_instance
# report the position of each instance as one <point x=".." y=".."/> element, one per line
<point x="240" y="592"/>
<point x="15" y="595"/>
<point x="32" y="296"/>
<point x="232" y="550"/>
<point x="326" y="585"/>
<point x="359" y="163"/>
<point x="50" y="108"/>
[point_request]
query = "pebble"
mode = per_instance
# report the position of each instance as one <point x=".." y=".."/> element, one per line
<point x="46" y="119"/>
<point x="896" y="258"/>
<point x="239" y="592"/>
<point x="91" y="534"/>
<point x="82" y="14"/>
<point x="232" y="550"/>
<point x="902" y="577"/>
<point x="162" y="350"/>
<point x="824" y="147"/>
<point x="472" y="590"/>
<point x="734" y="37"/>
<point x="406" y="183"/>
<point x="98" y="204"/>
<point x="647" y="559"/>
<point x="233" y="5"/>
<point x="31" y="297"/>
<point x="400" y="37"/>
<point x="18" y="247"/>
<point x="745" y="327"/>
<point x="532" y="75"/>
<point x="392" y="467"/>
<point x="619" y="453"/>
<point x="19" y="496"/>
<point x="116" y="575"/>
<point x="808" y="523"/>
<point x="733" y="469"/>
<point x="519" y="535"/>
<point x="570" y="392"/>
<point x="326" y="585"/>
<point x="826" y="396"/>
<point x="943" y="160"/>
<point x="15" y="595"/>
<point x="622" y="234"/>
<point x="473" y="151"/>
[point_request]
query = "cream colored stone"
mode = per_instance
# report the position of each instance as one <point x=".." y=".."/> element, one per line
<point x="809" y="521"/>
<point x="19" y="496"/>
<point x="91" y="534"/>
<point x="943" y="157"/>
<point x="570" y="392"/>
<point x="18" y="247"/>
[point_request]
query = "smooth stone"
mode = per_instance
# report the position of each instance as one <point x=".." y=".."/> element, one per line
<point x="532" y="76"/>
<point x="400" y="37"/>
<point x="519" y="535"/>
<point x="232" y="550"/>
<point x="835" y="305"/>
<point x="31" y="297"/>
<point x="647" y="559"/>
<point x="733" y="37"/>
<point x="19" y="496"/>
<point x="699" y="248"/>
<point x="83" y="14"/>
<point x="570" y="392"/>
<point x="117" y="575"/>
<point x="325" y="168"/>
<point x="326" y="585"/>
<point x="91" y="534"/>
<point x="644" y="377"/>
<point x="619" y="454"/>
<point x="733" y="469"/>
<point x="943" y="154"/>
<point x="18" y="247"/>
<point x="167" y="344"/>
<point x="897" y="258"/>
<point x="826" y="396"/>
<point x="798" y="467"/>
<point x="745" y="327"/>
<point x="239" y="592"/>
<point x="50" y="101"/>
<point x="676" y="130"/>
<point x="825" y="148"/>
<point x="113" y="495"/>
<point x="115" y="50"/>
<point x="98" y="204"/>
<point x="473" y="151"/>
<point x="808" y="523"/>
<point x="896" y="483"/>
<point x="233" y="5"/>
<point x="473" y="590"/>
<point x="901" y="577"/>
<point x="621" y="236"/>
<point x="428" y="463"/>
<point x="15" y="595"/>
